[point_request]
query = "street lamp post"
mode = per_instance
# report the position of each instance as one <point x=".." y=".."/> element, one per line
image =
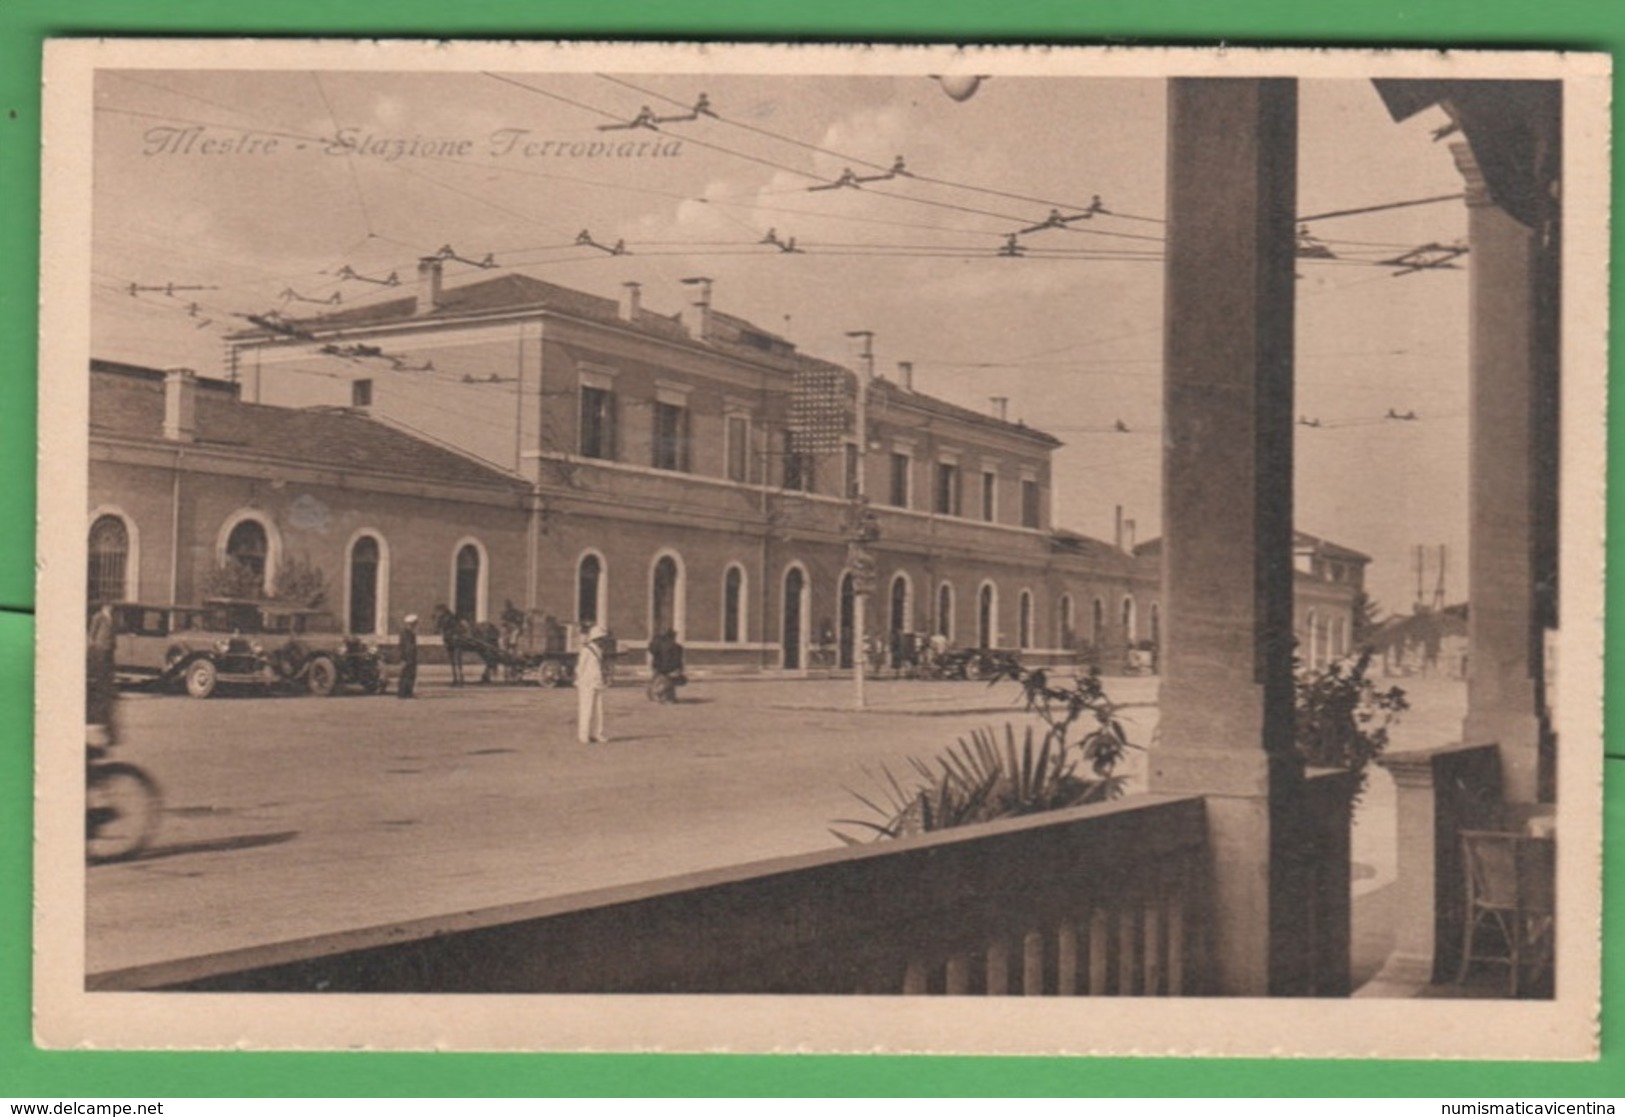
<point x="860" y="564"/>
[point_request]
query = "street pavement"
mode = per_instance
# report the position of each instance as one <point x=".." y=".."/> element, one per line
<point x="294" y="816"/>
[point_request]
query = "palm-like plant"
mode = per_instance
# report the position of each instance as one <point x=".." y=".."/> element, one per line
<point x="982" y="778"/>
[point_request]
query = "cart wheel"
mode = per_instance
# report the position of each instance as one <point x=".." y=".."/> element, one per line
<point x="322" y="676"/>
<point x="201" y="678"/>
<point x="122" y="806"/>
<point x="550" y="673"/>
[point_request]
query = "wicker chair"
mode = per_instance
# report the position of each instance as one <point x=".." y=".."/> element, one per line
<point x="1510" y="886"/>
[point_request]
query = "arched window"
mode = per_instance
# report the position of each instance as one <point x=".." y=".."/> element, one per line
<point x="589" y="591"/>
<point x="1310" y="651"/>
<point x="987" y="635"/>
<point x="109" y="560"/>
<point x="945" y="611"/>
<point x="364" y="567"/>
<point x="248" y="547"/>
<point x="468" y="580"/>
<point x="1097" y="623"/>
<point x="1065" y="629"/>
<point x="1130" y="625"/>
<point x="666" y="595"/>
<point x="733" y="605"/>
<point x="1024" y="628"/>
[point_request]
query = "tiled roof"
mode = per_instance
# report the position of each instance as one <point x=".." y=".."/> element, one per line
<point x="515" y="291"/>
<point x="129" y="401"/>
<point x="1301" y="541"/>
<point x="504" y="292"/>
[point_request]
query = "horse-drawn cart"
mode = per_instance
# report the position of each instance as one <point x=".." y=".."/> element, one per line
<point x="526" y="648"/>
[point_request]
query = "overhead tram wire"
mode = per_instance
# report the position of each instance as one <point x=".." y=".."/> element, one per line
<point x="950" y="183"/>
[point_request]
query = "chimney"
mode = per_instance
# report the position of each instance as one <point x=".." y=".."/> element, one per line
<point x="631" y="301"/>
<point x="1119" y="537"/>
<point x="429" y="276"/>
<point x="905" y="375"/>
<point x="698" y="318"/>
<point x="180" y="405"/>
<point x="1001" y="407"/>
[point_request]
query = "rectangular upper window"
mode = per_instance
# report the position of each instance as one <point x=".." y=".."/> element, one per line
<point x="798" y="466"/>
<point x="670" y="437"/>
<point x="947" y="503"/>
<point x="361" y="393"/>
<point x="738" y="434"/>
<point x="1029" y="504"/>
<point x="897" y="497"/>
<point x="598" y="423"/>
<point x="990" y="488"/>
<point x="851" y="470"/>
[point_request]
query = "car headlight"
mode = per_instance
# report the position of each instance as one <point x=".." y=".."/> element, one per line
<point x="256" y="647"/>
<point x="222" y="645"/>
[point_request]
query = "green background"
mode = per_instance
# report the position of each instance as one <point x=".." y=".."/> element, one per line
<point x="24" y="24"/>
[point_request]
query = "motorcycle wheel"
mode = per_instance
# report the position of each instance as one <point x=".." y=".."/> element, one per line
<point x="122" y="809"/>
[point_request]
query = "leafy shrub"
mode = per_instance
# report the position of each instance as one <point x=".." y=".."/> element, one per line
<point x="298" y="582"/>
<point x="1343" y="716"/>
<point x="977" y="780"/>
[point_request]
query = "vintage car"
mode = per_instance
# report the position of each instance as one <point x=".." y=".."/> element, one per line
<point x="199" y="647"/>
<point x="309" y="645"/>
<point x="240" y="643"/>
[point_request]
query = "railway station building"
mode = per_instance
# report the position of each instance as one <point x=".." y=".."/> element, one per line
<point x="508" y="441"/>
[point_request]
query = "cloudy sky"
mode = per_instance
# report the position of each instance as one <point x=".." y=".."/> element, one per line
<point x="262" y="204"/>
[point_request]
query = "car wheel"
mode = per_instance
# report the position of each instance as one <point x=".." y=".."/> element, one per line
<point x="973" y="668"/>
<point x="201" y="678"/>
<point x="550" y="673"/>
<point x="322" y="676"/>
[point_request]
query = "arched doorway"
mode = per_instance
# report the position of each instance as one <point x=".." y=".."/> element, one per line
<point x="945" y="611"/>
<point x="1024" y="627"/>
<point x="986" y="636"/>
<point x="733" y="604"/>
<point x="665" y="596"/>
<point x="1130" y="622"/>
<point x="899" y="620"/>
<point x="848" y="619"/>
<point x="589" y="591"/>
<point x="109" y="560"/>
<point x="1068" y="636"/>
<point x="248" y="547"/>
<point x="794" y="634"/>
<point x="364" y="563"/>
<point x="466" y="587"/>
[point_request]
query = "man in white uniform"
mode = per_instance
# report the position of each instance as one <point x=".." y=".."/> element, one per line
<point x="592" y="678"/>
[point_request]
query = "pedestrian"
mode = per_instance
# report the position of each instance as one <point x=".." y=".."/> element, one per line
<point x="665" y="667"/>
<point x="99" y="676"/>
<point x="592" y="679"/>
<point x="409" y="656"/>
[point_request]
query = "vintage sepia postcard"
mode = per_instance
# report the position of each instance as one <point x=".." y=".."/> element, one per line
<point x="573" y="546"/>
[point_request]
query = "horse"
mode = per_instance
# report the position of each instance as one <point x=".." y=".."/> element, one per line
<point x="460" y="635"/>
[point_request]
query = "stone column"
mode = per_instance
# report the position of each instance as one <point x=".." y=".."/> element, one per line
<point x="1503" y="703"/>
<point x="1226" y="694"/>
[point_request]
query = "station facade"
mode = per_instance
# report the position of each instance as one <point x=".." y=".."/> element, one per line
<point x="511" y="442"/>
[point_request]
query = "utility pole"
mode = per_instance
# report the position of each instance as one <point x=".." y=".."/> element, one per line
<point x="859" y="562"/>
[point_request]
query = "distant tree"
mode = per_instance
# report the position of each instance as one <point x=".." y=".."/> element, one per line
<point x="1367" y="619"/>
